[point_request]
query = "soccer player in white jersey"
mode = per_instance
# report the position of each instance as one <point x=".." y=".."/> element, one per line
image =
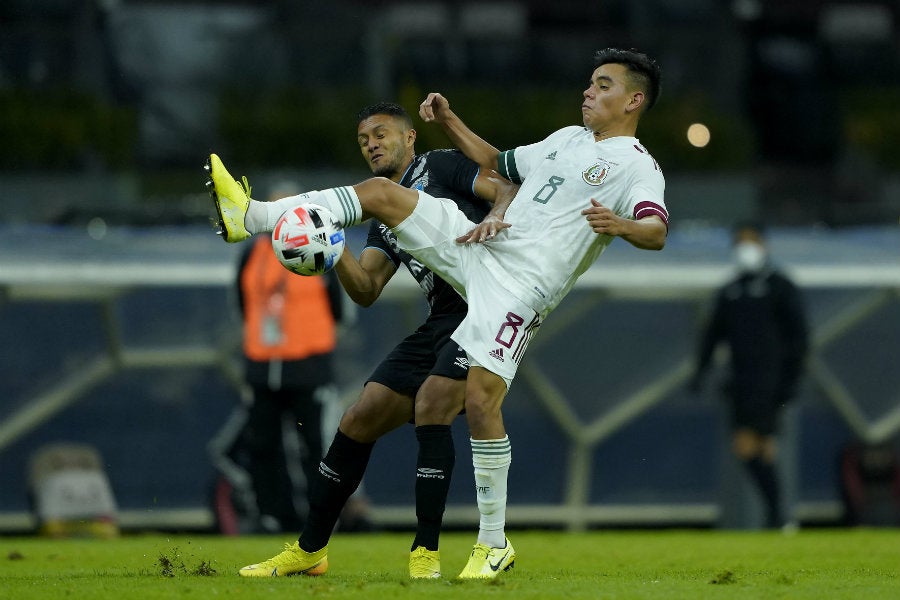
<point x="581" y="187"/>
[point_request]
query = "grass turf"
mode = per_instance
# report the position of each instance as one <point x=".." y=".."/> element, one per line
<point x="813" y="564"/>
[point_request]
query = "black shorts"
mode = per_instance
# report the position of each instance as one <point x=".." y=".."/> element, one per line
<point x="427" y="351"/>
<point x="754" y="407"/>
<point x="761" y="417"/>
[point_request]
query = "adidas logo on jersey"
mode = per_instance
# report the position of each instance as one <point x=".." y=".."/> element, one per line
<point x="496" y="354"/>
<point x="551" y="156"/>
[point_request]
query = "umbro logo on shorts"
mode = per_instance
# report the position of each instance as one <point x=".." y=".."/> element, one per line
<point x="496" y="354"/>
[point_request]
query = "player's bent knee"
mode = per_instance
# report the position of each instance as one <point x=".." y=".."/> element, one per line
<point x="439" y="401"/>
<point x="437" y="414"/>
<point x="375" y="193"/>
<point x="482" y="411"/>
<point x="358" y="425"/>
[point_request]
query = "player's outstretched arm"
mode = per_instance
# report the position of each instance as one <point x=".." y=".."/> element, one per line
<point x="435" y="108"/>
<point x="500" y="193"/>
<point x="364" y="279"/>
<point x="648" y="233"/>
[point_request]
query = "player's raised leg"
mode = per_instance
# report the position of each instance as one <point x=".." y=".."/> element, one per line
<point x="240" y="216"/>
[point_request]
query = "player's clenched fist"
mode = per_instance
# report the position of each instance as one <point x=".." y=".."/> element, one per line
<point x="433" y="106"/>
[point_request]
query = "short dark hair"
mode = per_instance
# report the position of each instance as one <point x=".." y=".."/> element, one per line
<point x="384" y="108"/>
<point x="643" y="69"/>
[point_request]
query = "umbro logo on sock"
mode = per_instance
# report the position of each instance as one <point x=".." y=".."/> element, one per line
<point x="429" y="473"/>
<point x="326" y="472"/>
<point x="496" y="354"/>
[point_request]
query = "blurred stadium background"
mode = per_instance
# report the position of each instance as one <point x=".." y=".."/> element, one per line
<point x="116" y="310"/>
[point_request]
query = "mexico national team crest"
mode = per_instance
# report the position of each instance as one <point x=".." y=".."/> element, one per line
<point x="596" y="173"/>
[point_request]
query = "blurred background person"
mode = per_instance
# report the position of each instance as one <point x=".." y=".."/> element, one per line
<point x="290" y="328"/>
<point x="760" y="316"/>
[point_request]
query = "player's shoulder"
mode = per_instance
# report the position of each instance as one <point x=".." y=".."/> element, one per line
<point x="634" y="151"/>
<point x="561" y="136"/>
<point x="571" y="132"/>
<point x="577" y="130"/>
<point x="445" y="160"/>
<point x="442" y="154"/>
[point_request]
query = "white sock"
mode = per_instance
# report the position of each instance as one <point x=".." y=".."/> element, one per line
<point x="491" y="459"/>
<point x="342" y="201"/>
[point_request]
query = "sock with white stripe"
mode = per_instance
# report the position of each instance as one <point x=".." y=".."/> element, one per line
<point x="491" y="459"/>
<point x="342" y="201"/>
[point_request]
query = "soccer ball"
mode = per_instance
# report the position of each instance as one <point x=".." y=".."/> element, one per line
<point x="308" y="239"/>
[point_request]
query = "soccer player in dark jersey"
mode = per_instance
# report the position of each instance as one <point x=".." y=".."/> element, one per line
<point x="423" y="377"/>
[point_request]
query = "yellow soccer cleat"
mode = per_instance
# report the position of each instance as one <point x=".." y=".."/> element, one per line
<point x="231" y="198"/>
<point x="486" y="562"/>
<point x="291" y="561"/>
<point x="424" y="563"/>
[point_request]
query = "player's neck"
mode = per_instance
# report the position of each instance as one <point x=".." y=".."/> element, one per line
<point x="606" y="134"/>
<point x="622" y="128"/>
<point x="399" y="173"/>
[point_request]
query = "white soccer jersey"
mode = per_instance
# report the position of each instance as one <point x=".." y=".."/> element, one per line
<point x="550" y="243"/>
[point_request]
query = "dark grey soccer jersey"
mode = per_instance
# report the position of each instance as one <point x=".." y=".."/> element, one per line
<point x="442" y="174"/>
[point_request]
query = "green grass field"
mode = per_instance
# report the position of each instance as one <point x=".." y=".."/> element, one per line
<point x="813" y="564"/>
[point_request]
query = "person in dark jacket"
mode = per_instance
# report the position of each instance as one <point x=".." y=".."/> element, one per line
<point x="760" y="316"/>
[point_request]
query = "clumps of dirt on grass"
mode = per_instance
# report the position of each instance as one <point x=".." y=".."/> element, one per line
<point x="15" y="555"/>
<point x="172" y="564"/>
<point x="725" y="577"/>
<point x="204" y="569"/>
<point x="169" y="566"/>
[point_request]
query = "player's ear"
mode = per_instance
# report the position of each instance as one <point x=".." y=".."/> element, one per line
<point x="410" y="137"/>
<point x="635" y="101"/>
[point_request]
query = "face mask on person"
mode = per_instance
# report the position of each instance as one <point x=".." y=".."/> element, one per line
<point x="749" y="256"/>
